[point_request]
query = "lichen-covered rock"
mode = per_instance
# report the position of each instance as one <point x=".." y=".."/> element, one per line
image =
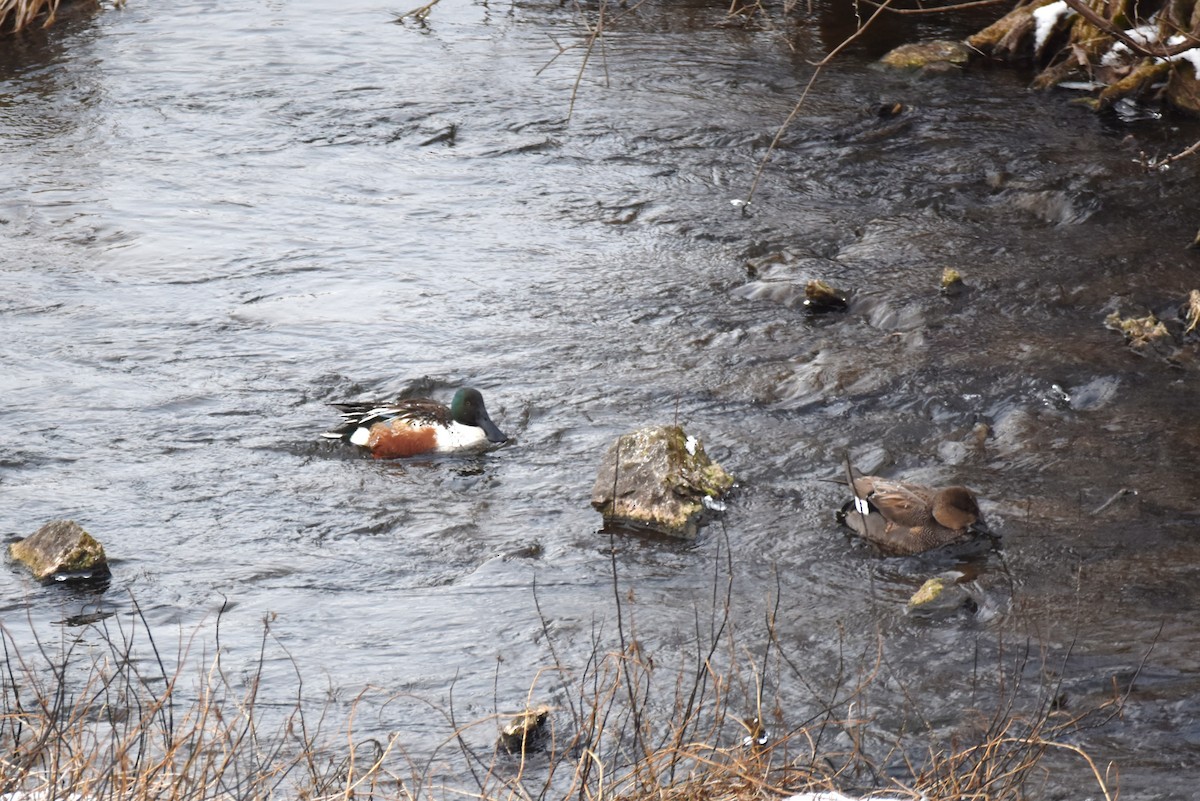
<point x="820" y="296"/>
<point x="659" y="479"/>
<point x="930" y="591"/>
<point x="61" y="547"/>
<point x="919" y="55"/>
<point x="952" y="282"/>
<point x="526" y="731"/>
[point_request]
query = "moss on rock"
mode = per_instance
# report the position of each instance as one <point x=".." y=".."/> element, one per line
<point x="659" y="479"/>
<point x="60" y="547"/>
<point x="919" y="55"/>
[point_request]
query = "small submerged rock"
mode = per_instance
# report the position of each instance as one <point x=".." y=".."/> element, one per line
<point x="658" y="479"/>
<point x="61" y="549"/>
<point x="782" y="278"/>
<point x="526" y="731"/>
<point x="819" y="296"/>
<point x="929" y="592"/>
<point x="955" y="593"/>
<point x="952" y="282"/>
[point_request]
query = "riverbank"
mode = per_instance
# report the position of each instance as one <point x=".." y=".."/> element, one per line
<point x="111" y="712"/>
<point x="220" y="220"/>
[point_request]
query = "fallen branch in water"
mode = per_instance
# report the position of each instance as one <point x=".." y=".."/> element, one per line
<point x="417" y="14"/>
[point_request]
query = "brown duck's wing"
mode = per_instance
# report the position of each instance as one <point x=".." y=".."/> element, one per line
<point x="899" y="540"/>
<point x="885" y="534"/>
<point x="905" y="505"/>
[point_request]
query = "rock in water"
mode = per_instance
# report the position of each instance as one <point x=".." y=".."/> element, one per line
<point x="926" y="54"/>
<point x="658" y="479"/>
<point x="525" y="732"/>
<point x="61" y="548"/>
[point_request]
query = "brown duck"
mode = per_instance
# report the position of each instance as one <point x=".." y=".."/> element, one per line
<point x="904" y="519"/>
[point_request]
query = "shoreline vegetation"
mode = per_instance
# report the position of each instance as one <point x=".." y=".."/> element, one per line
<point x="16" y="15"/>
<point x="102" y="715"/>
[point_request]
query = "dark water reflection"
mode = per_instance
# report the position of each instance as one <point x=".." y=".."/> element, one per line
<point x="216" y="221"/>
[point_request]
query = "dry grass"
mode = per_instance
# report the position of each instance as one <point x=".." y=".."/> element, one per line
<point x="109" y="720"/>
<point x="18" y="14"/>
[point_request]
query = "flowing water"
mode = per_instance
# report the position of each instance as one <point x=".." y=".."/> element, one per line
<point x="215" y="219"/>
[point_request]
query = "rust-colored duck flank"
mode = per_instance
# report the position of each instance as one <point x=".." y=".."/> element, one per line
<point x="904" y="519"/>
<point x="418" y="425"/>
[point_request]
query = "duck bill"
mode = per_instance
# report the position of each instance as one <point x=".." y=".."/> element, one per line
<point x="489" y="428"/>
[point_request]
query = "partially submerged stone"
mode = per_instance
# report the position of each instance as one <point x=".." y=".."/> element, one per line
<point x="659" y="479"/>
<point x="61" y="548"/>
<point x="951" y="594"/>
<point x="919" y="55"/>
<point x="952" y="282"/>
<point x="819" y="296"/>
<point x="525" y="731"/>
<point x="929" y="592"/>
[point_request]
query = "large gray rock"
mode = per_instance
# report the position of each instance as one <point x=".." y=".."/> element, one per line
<point x="658" y="479"/>
<point x="60" y="547"/>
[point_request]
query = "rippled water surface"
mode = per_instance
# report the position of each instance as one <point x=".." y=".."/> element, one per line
<point x="218" y="218"/>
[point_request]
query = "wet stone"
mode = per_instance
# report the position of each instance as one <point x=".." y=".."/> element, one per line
<point x="820" y="296"/>
<point x="921" y="55"/>
<point x="952" y="283"/>
<point x="61" y="549"/>
<point x="526" y="731"/>
<point x="658" y="479"/>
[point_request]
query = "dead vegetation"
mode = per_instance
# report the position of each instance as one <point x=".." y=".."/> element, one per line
<point x="1142" y="51"/>
<point x="18" y="14"/>
<point x="102" y="717"/>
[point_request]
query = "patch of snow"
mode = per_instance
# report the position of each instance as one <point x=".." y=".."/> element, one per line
<point x="1192" y="55"/>
<point x="691" y="444"/>
<point x="1120" y="53"/>
<point x="1045" y="18"/>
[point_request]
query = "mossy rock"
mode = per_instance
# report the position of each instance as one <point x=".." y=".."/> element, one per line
<point x="61" y="548"/>
<point x="526" y="731"/>
<point x="658" y="479"/>
<point x="920" y="55"/>
<point x="929" y="592"/>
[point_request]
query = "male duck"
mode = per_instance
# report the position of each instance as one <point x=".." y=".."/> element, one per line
<point x="418" y="425"/>
<point x="905" y="519"/>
